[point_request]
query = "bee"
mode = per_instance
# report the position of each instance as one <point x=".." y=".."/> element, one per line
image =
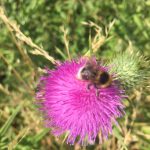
<point x="91" y="73"/>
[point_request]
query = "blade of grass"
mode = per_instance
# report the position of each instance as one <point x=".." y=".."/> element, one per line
<point x="61" y="53"/>
<point x="39" y="136"/>
<point x="18" y="138"/>
<point x="90" y="43"/>
<point x="7" y="124"/>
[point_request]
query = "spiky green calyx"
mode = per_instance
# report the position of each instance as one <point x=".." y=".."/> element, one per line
<point x="131" y="68"/>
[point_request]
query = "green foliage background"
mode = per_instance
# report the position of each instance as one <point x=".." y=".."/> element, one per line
<point x="42" y="21"/>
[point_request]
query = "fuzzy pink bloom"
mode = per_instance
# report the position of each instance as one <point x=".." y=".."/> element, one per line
<point x="68" y="105"/>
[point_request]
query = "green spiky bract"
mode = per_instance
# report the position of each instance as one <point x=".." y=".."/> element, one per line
<point x="130" y="68"/>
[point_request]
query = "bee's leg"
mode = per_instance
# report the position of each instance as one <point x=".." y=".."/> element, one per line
<point x="97" y="90"/>
<point x="97" y="93"/>
<point x="95" y="86"/>
<point x="89" y="86"/>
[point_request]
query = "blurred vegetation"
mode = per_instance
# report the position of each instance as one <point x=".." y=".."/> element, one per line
<point x="51" y="24"/>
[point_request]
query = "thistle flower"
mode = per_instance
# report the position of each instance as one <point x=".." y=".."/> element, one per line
<point x="69" y="106"/>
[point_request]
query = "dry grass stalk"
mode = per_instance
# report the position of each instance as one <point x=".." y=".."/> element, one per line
<point x="66" y="42"/>
<point x="13" y="27"/>
<point x="99" y="38"/>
